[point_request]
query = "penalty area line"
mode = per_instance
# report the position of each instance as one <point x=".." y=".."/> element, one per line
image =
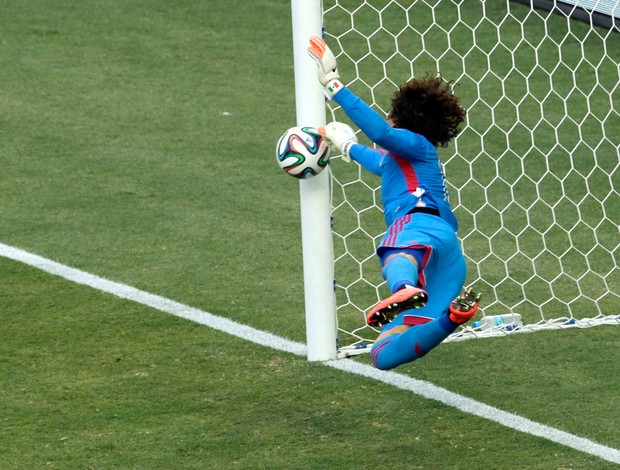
<point x="419" y="387"/>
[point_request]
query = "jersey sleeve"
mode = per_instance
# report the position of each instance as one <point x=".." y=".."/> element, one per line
<point x="398" y="141"/>
<point x="370" y="159"/>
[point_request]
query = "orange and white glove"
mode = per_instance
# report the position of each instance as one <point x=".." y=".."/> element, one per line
<point x="326" y="66"/>
<point x="341" y="136"/>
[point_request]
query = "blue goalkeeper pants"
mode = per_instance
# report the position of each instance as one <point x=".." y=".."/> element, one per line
<point x="441" y="273"/>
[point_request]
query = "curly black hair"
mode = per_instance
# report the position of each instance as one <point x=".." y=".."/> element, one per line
<point x="428" y="106"/>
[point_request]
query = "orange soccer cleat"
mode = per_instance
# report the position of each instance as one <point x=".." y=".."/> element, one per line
<point x="404" y="299"/>
<point x="464" y="306"/>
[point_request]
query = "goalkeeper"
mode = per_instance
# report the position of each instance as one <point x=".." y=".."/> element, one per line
<point x="420" y="254"/>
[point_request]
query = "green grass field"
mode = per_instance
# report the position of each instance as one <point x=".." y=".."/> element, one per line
<point x="136" y="143"/>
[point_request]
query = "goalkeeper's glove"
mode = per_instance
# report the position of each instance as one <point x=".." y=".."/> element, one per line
<point x="326" y="65"/>
<point x="341" y="136"/>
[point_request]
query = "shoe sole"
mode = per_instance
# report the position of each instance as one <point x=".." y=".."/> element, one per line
<point x="471" y="299"/>
<point x="388" y="309"/>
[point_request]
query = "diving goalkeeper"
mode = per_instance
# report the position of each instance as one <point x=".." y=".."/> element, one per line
<point x="420" y="254"/>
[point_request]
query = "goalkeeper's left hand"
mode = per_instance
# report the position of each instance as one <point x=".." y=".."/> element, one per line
<point x="326" y="66"/>
<point x="341" y="136"/>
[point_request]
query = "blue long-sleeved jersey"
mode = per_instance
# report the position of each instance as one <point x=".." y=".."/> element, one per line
<point x="409" y="166"/>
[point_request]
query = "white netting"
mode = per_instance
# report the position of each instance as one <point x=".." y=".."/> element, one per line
<point x="535" y="174"/>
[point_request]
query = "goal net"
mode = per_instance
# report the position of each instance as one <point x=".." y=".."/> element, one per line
<point x="534" y="176"/>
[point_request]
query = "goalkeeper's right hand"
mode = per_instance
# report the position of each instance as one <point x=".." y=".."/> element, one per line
<point x="326" y="66"/>
<point x="341" y="136"/>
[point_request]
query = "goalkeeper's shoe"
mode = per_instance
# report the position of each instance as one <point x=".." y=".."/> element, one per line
<point x="464" y="306"/>
<point x="404" y="299"/>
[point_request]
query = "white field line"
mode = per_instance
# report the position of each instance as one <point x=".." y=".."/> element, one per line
<point x="418" y="387"/>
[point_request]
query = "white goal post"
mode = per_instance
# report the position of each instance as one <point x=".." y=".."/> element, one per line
<point x="318" y="255"/>
<point x="534" y="176"/>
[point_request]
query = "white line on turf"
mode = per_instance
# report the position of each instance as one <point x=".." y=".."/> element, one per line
<point x="419" y="387"/>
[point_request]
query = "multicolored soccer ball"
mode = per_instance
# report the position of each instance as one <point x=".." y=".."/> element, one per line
<point x="302" y="152"/>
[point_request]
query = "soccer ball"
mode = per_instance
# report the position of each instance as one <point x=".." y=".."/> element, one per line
<point x="302" y="152"/>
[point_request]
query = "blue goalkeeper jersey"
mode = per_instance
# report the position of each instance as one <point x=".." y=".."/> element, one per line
<point x="408" y="166"/>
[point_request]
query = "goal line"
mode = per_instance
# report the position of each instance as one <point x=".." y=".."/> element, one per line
<point x="419" y="387"/>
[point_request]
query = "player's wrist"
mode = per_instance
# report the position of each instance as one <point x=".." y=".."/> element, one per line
<point x="332" y="87"/>
<point x="346" y="149"/>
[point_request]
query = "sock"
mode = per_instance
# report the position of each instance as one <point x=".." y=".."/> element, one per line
<point x="399" y="272"/>
<point x="413" y="344"/>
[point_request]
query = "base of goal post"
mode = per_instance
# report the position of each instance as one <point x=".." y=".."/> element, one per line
<point x="468" y="332"/>
<point x="355" y="349"/>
